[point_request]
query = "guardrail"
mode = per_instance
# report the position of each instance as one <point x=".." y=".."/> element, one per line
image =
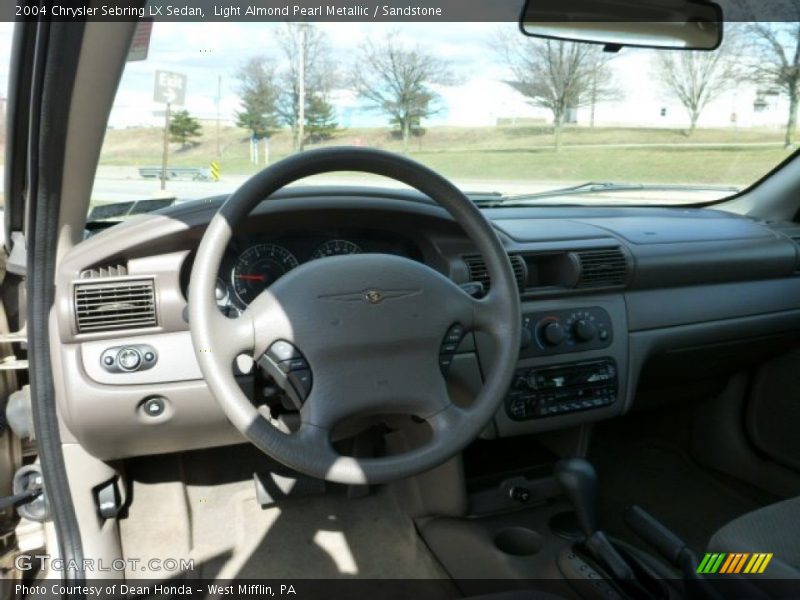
<point x="192" y="173"/>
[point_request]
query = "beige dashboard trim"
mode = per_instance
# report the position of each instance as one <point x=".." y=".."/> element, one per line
<point x="176" y="360"/>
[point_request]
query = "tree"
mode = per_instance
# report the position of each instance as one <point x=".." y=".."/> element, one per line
<point x="775" y="61"/>
<point x="697" y="78"/>
<point x="306" y="82"/>
<point x="320" y="119"/>
<point x="183" y="128"/>
<point x="398" y="79"/>
<point x="416" y="129"/>
<point x="259" y="91"/>
<point x="558" y="76"/>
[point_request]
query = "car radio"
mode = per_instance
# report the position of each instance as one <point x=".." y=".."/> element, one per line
<point x="549" y="391"/>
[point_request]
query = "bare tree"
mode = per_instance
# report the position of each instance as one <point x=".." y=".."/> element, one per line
<point x="696" y="79"/>
<point x="397" y="79"/>
<point x="775" y="61"/>
<point x="308" y="79"/>
<point x="557" y="75"/>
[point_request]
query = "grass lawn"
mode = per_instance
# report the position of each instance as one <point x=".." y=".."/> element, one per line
<point x="518" y="153"/>
<point x="720" y="165"/>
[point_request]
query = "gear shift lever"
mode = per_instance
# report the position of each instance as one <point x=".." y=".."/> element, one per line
<point x="578" y="480"/>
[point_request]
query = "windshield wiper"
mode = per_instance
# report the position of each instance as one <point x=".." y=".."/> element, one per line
<point x="594" y="187"/>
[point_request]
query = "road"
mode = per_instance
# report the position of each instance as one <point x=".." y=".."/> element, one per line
<point x="117" y="184"/>
<point x="114" y="184"/>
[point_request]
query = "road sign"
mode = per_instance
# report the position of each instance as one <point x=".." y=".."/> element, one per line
<point x="141" y="41"/>
<point x="215" y="170"/>
<point x="170" y="87"/>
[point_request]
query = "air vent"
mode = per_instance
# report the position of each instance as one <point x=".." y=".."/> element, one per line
<point x="601" y="268"/>
<point x="479" y="272"/>
<point x="105" y="271"/>
<point x="115" y="305"/>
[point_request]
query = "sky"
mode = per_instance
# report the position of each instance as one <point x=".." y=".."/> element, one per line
<point x="208" y="53"/>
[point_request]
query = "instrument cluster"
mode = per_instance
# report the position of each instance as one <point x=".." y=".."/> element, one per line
<point x="252" y="263"/>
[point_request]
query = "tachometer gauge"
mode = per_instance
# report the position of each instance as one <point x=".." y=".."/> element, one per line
<point x="258" y="268"/>
<point x="336" y="248"/>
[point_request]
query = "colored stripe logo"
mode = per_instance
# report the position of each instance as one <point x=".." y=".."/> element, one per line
<point x="729" y="563"/>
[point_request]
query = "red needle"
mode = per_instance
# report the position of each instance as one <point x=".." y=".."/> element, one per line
<point x="253" y="277"/>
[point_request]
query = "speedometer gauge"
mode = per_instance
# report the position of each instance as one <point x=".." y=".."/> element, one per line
<point x="336" y="248"/>
<point x="259" y="267"/>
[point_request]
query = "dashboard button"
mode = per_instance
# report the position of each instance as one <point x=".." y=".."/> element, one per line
<point x="154" y="407"/>
<point x="449" y="348"/>
<point x="454" y="334"/>
<point x="295" y="364"/>
<point x="129" y="359"/>
<point x="280" y="351"/>
<point x="301" y="382"/>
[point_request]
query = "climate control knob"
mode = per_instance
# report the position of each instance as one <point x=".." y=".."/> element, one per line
<point x="553" y="333"/>
<point x="584" y="330"/>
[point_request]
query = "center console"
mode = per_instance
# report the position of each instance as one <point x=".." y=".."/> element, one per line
<point x="572" y="365"/>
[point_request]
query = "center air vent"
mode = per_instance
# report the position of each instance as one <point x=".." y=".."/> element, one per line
<point x="601" y="268"/>
<point x="115" y="305"/>
<point x="479" y="272"/>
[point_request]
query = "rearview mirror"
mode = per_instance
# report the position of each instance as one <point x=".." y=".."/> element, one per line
<point x="665" y="24"/>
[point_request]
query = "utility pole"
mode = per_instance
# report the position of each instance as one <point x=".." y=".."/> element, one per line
<point x="165" y="150"/>
<point x="219" y="100"/>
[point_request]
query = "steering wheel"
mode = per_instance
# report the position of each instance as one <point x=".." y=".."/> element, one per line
<point x="355" y="335"/>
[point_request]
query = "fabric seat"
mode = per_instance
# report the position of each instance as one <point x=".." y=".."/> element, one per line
<point x="774" y="528"/>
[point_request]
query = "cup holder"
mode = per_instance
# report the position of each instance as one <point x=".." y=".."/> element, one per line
<point x="518" y="541"/>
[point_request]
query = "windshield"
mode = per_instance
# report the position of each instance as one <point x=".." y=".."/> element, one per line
<point x="495" y="111"/>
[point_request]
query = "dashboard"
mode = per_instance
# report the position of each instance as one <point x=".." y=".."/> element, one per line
<point x="615" y="301"/>
<point x="254" y="262"/>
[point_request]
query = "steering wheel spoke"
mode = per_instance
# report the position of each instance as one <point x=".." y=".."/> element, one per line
<point x="484" y="312"/>
<point x="233" y="337"/>
<point x="447" y="420"/>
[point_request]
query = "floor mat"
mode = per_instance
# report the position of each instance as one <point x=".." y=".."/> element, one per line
<point x="200" y="507"/>
<point x="660" y="478"/>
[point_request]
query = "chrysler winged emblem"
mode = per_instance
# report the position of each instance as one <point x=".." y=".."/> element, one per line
<point x="373" y="296"/>
<point x="370" y="296"/>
